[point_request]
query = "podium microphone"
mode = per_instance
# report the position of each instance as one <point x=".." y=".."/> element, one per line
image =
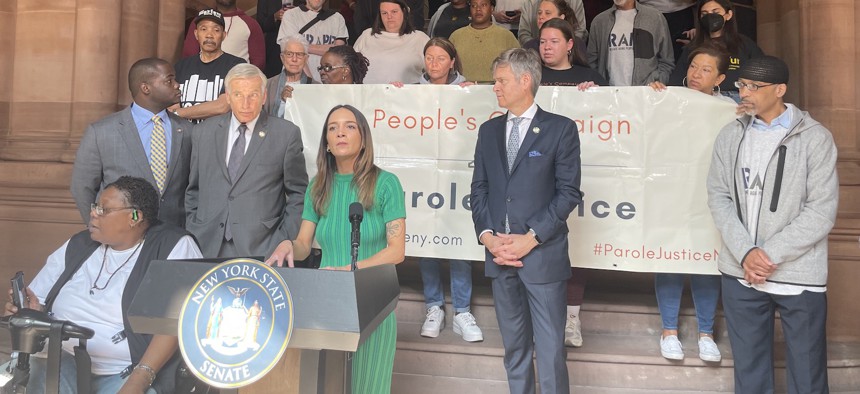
<point x="356" y="214"/>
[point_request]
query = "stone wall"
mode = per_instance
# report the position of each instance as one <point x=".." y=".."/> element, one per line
<point x="818" y="40"/>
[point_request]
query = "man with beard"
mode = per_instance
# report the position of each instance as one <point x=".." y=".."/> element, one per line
<point x="244" y="36"/>
<point x="201" y="75"/>
<point x="773" y="194"/>
<point x="143" y="140"/>
<point x="629" y="45"/>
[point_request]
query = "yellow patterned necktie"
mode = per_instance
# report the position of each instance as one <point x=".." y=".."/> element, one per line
<point x="158" y="154"/>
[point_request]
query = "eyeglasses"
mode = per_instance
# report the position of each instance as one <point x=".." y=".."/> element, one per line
<point x="329" y="68"/>
<point x="102" y="211"/>
<point x="750" y="86"/>
<point x="294" y="55"/>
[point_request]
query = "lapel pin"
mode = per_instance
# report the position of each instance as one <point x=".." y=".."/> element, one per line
<point x="262" y="134"/>
<point x="535" y="129"/>
<point x="178" y="130"/>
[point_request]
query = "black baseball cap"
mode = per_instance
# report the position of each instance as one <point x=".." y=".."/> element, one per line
<point x="211" y="15"/>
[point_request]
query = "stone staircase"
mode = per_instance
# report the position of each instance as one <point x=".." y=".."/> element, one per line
<point x="621" y="327"/>
<point x="620" y="354"/>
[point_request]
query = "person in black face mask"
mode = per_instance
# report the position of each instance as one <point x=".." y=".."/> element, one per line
<point x="716" y="24"/>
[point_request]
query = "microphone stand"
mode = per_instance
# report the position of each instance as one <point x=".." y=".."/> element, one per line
<point x="354" y="254"/>
<point x="356" y="214"/>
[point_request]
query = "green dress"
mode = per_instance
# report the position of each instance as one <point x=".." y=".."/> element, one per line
<point x="374" y="359"/>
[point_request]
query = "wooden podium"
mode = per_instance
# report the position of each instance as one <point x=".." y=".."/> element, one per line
<point x="333" y="313"/>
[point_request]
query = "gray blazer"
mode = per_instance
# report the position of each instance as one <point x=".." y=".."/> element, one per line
<point x="264" y="205"/>
<point x="273" y="91"/>
<point x="111" y="148"/>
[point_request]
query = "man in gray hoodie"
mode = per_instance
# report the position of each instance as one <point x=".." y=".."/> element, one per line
<point x="629" y="45"/>
<point x="773" y="193"/>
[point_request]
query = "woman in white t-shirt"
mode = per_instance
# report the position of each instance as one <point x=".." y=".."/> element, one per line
<point x="87" y="281"/>
<point x="393" y="46"/>
<point x="708" y="66"/>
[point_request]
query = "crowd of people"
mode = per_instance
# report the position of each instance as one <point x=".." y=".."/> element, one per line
<point x="202" y="163"/>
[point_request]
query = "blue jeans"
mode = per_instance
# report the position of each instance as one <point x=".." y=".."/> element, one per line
<point x="706" y="292"/>
<point x="101" y="384"/>
<point x="461" y="283"/>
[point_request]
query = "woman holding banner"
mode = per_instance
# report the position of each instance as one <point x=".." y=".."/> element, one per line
<point x="442" y="67"/>
<point x="707" y="69"/>
<point x="563" y="65"/>
<point x="343" y="65"/>
<point x="346" y="174"/>
<point x="294" y="59"/>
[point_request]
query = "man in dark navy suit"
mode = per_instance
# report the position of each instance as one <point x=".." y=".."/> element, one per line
<point x="525" y="185"/>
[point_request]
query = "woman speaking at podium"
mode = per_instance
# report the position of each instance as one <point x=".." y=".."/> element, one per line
<point x="346" y="174"/>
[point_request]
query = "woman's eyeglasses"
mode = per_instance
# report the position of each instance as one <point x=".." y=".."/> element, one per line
<point x="329" y="68"/>
<point x="102" y="211"/>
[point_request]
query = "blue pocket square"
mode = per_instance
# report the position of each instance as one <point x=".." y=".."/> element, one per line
<point x="534" y="153"/>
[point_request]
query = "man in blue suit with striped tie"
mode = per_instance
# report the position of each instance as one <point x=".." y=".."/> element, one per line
<point x="524" y="187"/>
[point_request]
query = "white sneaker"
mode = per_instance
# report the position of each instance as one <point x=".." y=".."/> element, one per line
<point x="708" y="350"/>
<point x="573" y="331"/>
<point x="670" y="347"/>
<point x="434" y="322"/>
<point x="467" y="327"/>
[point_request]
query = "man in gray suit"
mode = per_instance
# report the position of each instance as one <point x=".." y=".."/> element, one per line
<point x="143" y="140"/>
<point x="524" y="187"/>
<point x="248" y="179"/>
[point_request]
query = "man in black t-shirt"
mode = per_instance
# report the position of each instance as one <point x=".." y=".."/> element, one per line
<point x="201" y="76"/>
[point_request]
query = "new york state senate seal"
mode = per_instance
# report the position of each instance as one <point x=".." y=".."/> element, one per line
<point x="235" y="323"/>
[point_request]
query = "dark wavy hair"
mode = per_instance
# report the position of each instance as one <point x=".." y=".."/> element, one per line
<point x="730" y="37"/>
<point x="405" y="28"/>
<point x="140" y="195"/>
<point x="365" y="172"/>
<point x="356" y="62"/>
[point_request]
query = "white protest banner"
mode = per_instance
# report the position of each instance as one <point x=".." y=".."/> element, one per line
<point x="645" y="157"/>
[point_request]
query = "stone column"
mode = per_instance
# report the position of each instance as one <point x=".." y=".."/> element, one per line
<point x="817" y="40"/>
<point x="95" y="67"/>
<point x="63" y="65"/>
<point x="7" y="59"/>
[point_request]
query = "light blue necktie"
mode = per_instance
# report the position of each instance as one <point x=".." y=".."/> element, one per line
<point x="513" y="147"/>
<point x="514" y="143"/>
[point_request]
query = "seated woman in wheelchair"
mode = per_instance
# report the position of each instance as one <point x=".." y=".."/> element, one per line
<point x="91" y="279"/>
